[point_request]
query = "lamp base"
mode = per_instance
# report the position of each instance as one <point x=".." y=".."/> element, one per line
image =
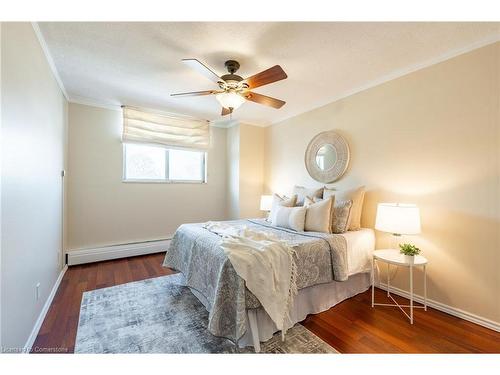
<point x="395" y="240"/>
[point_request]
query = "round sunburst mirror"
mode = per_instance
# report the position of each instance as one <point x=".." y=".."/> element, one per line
<point x="327" y="157"/>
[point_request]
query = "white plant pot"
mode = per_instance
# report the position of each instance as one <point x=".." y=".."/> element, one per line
<point x="410" y="259"/>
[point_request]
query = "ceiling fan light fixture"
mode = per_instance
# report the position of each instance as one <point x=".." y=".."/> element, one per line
<point x="230" y="99"/>
<point x="233" y="89"/>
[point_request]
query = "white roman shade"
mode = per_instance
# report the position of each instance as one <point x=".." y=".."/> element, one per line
<point x="165" y="129"/>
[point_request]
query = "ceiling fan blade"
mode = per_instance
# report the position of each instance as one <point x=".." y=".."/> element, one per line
<point x="266" y="77"/>
<point x="225" y="111"/>
<point x="263" y="99"/>
<point x="202" y="69"/>
<point x="195" y="93"/>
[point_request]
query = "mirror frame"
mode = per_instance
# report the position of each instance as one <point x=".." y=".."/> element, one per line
<point x="343" y="156"/>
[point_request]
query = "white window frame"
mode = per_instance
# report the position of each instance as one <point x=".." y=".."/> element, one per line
<point x="166" y="180"/>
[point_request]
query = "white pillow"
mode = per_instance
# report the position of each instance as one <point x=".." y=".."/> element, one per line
<point x="340" y="213"/>
<point x="308" y="201"/>
<point x="280" y="201"/>
<point x="290" y="217"/>
<point x="319" y="216"/>
<point x="356" y="196"/>
<point x="303" y="192"/>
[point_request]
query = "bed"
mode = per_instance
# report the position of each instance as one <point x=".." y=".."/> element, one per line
<point x="330" y="268"/>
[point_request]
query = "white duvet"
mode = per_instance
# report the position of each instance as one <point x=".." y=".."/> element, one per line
<point x="266" y="264"/>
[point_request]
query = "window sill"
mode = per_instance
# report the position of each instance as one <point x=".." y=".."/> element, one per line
<point x="163" y="182"/>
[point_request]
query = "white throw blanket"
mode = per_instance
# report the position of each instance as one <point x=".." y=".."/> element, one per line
<point x="267" y="265"/>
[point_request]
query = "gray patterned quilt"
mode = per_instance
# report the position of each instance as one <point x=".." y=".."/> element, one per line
<point x="196" y="253"/>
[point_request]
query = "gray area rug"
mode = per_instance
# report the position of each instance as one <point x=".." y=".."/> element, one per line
<point x="160" y="316"/>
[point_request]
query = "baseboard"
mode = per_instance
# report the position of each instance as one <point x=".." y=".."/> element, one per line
<point x="43" y="313"/>
<point x="116" y="251"/>
<point x="446" y="308"/>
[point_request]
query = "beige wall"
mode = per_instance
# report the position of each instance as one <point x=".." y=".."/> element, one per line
<point x="33" y="136"/>
<point x="233" y="172"/>
<point x="431" y="138"/>
<point x="252" y="143"/>
<point x="103" y="210"/>
<point x="1" y="183"/>
<point x="245" y="151"/>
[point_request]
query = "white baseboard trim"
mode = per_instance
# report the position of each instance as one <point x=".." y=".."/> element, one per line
<point x="445" y="308"/>
<point x="116" y="251"/>
<point x="43" y="313"/>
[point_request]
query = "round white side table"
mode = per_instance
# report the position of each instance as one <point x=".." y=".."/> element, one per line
<point x="392" y="256"/>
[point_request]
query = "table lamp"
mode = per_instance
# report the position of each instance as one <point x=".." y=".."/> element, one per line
<point x="398" y="219"/>
<point x="266" y="202"/>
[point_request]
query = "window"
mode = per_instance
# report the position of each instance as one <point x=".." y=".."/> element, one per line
<point x="160" y="164"/>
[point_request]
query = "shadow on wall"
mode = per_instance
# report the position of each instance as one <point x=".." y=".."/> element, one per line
<point x="456" y="240"/>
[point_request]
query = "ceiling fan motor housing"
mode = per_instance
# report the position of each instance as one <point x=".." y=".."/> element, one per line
<point x="232" y="66"/>
<point x="232" y="79"/>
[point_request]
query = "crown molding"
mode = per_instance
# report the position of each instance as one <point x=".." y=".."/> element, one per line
<point x="254" y="124"/>
<point x="224" y="124"/>
<point x="94" y="103"/>
<point x="230" y="123"/>
<point x="379" y="81"/>
<point x="401" y="73"/>
<point x="48" y="57"/>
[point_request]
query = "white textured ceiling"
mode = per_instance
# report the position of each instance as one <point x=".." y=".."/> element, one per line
<point x="140" y="63"/>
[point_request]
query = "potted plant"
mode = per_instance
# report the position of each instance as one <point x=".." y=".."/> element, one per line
<point x="409" y="251"/>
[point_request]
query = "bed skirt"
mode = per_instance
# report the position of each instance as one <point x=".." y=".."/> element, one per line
<point x="310" y="300"/>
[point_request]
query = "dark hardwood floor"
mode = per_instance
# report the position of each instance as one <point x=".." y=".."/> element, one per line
<point x="351" y="326"/>
<point x="59" y="327"/>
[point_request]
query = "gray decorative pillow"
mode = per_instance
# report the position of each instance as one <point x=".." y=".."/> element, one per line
<point x="357" y="196"/>
<point x="290" y="217"/>
<point x="303" y="192"/>
<point x="341" y="214"/>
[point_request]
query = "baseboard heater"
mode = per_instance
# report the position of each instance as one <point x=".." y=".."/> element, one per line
<point x="81" y="256"/>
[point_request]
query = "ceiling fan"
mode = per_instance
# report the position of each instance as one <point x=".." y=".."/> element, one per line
<point x="233" y="89"/>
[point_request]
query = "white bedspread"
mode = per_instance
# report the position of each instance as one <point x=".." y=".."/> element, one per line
<point x="266" y="264"/>
<point x="360" y="246"/>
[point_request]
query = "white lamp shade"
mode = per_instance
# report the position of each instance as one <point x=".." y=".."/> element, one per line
<point x="398" y="218"/>
<point x="266" y="202"/>
<point x="230" y="99"/>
